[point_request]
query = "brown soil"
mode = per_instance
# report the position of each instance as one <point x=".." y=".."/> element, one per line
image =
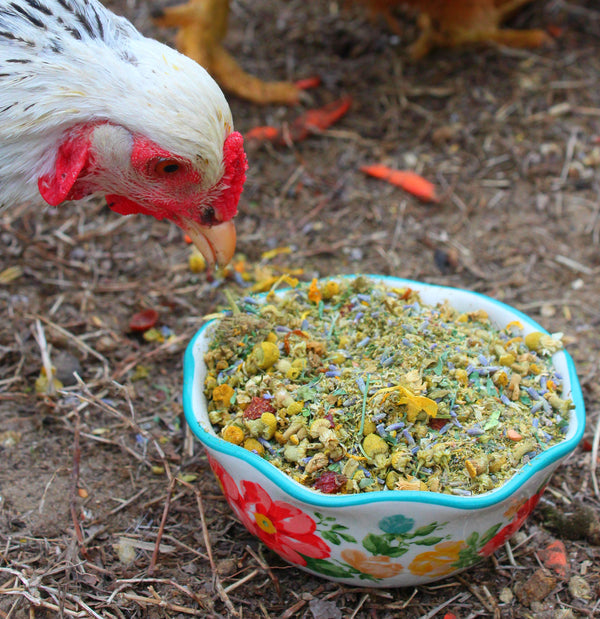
<point x="512" y="141"/>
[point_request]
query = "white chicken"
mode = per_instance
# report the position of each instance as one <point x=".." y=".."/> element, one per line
<point x="87" y="105"/>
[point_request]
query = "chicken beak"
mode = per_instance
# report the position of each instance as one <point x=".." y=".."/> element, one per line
<point x="215" y="243"/>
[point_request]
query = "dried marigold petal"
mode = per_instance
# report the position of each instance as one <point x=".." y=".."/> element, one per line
<point x="330" y="482"/>
<point x="314" y="294"/>
<point x="257" y="407"/>
<point x="222" y="395"/>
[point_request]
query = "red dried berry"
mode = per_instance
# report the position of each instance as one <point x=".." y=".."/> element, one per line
<point x="144" y="320"/>
<point x="329" y="418"/>
<point x="330" y="482"/>
<point x="586" y="445"/>
<point x="437" y="423"/>
<point x="257" y="407"/>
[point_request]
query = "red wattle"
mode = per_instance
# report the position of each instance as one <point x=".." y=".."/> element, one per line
<point x="125" y="206"/>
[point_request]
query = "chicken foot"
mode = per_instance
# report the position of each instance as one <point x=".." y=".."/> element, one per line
<point x="202" y="25"/>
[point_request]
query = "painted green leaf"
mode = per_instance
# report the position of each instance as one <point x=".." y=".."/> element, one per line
<point x="377" y="545"/>
<point x="347" y="538"/>
<point x="487" y="536"/>
<point x="429" y="541"/>
<point x="331" y="537"/>
<point x="426" y="530"/>
<point x="329" y="568"/>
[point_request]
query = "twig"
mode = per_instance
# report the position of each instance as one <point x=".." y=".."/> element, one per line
<point x="434" y="611"/>
<point x="509" y="554"/>
<point x="241" y="581"/>
<point x="74" y="484"/>
<point x="475" y="591"/>
<point x="293" y="609"/>
<point x="217" y="581"/>
<point x="360" y="604"/>
<point x="127" y="582"/>
<point x="161" y="528"/>
<point x="265" y="567"/>
<point x="154" y="601"/>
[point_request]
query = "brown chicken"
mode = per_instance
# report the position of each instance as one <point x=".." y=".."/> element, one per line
<point x="202" y="26"/>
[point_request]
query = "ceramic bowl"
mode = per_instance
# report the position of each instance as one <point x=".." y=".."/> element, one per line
<point x="384" y="538"/>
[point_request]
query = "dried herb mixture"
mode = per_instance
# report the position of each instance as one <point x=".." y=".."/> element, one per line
<point x="352" y="386"/>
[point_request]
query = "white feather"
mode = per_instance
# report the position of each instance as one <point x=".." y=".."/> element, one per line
<point x="87" y="64"/>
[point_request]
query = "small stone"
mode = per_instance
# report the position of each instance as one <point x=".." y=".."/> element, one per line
<point x="506" y="595"/>
<point x="536" y="588"/>
<point x="547" y="310"/>
<point x="324" y="609"/>
<point x="580" y="588"/>
<point x="227" y="566"/>
<point x="563" y="613"/>
<point x="66" y="365"/>
<point x="125" y="551"/>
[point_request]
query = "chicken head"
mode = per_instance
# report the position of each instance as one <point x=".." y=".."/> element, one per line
<point x="139" y="176"/>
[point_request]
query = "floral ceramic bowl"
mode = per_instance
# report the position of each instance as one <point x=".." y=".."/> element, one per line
<point x="384" y="538"/>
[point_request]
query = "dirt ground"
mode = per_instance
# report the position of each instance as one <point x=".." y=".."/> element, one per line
<point x="512" y="141"/>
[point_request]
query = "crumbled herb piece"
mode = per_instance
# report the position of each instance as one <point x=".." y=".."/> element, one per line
<point x="355" y="386"/>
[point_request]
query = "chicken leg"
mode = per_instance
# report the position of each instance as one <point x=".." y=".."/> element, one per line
<point x="202" y="27"/>
<point x="445" y="26"/>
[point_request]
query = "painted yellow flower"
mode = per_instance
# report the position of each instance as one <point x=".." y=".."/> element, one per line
<point x="378" y="566"/>
<point x="437" y="562"/>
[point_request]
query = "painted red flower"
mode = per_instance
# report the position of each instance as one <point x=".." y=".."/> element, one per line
<point x="513" y="526"/>
<point x="282" y="527"/>
<point x="228" y="485"/>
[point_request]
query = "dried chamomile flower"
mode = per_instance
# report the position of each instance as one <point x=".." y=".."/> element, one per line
<point x="233" y="434"/>
<point x="263" y="427"/>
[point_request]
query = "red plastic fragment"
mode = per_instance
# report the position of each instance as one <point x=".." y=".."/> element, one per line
<point x="330" y="482"/>
<point x="410" y="181"/>
<point x="308" y="82"/>
<point x="263" y="134"/>
<point x="554" y="557"/>
<point x="319" y="119"/>
<point x="257" y="407"/>
<point x="144" y="320"/>
<point x="304" y="125"/>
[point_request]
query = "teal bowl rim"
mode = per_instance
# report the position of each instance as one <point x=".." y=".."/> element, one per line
<point x="310" y="497"/>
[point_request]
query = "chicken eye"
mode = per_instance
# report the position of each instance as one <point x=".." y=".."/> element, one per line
<point x="167" y="167"/>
